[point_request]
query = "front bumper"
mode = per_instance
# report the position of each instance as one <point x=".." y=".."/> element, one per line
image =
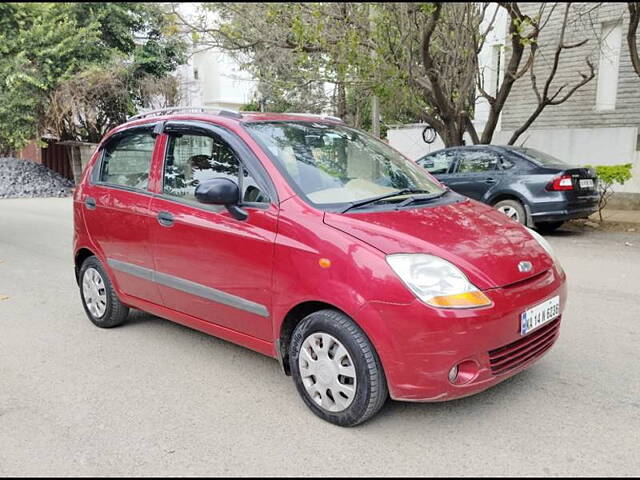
<point x="418" y="345"/>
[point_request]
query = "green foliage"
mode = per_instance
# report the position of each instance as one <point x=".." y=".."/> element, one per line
<point x="608" y="176"/>
<point x="363" y="49"/>
<point x="296" y="49"/>
<point x="612" y="174"/>
<point x="44" y="45"/>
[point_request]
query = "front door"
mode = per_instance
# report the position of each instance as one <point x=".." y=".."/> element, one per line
<point x="208" y="264"/>
<point x="440" y="165"/>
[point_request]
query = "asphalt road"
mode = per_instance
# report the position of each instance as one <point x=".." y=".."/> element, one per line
<point x="156" y="398"/>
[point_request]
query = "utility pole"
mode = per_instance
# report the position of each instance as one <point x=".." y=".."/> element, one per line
<point x="375" y="116"/>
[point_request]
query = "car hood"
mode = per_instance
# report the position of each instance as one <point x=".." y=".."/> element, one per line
<point x="485" y="244"/>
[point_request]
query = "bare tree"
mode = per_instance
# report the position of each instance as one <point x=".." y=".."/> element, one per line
<point x="549" y="95"/>
<point x="160" y="92"/>
<point x="89" y="104"/>
<point x="525" y="31"/>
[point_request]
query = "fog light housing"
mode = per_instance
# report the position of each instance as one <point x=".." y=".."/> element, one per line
<point x="464" y="372"/>
<point x="453" y="374"/>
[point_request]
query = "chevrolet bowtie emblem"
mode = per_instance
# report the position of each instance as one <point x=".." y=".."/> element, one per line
<point x="525" y="267"/>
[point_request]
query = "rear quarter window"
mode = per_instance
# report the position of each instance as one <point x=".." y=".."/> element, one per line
<point x="537" y="157"/>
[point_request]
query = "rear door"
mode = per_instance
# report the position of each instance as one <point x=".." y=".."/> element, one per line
<point x="476" y="172"/>
<point x="208" y="264"/>
<point x="116" y="210"/>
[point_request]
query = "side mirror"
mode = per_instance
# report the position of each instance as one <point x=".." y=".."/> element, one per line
<point x="221" y="191"/>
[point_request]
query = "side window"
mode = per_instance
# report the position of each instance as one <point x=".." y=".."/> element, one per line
<point x="192" y="159"/>
<point x="477" y="162"/>
<point x="127" y="161"/>
<point x="505" y="163"/>
<point x="438" y="163"/>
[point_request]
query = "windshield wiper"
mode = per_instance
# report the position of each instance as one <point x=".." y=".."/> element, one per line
<point x="410" y="200"/>
<point x="368" y="201"/>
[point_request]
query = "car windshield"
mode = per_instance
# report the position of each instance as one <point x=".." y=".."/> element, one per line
<point x="334" y="165"/>
<point x="538" y="157"/>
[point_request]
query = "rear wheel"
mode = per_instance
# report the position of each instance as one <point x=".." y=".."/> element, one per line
<point x="512" y="209"/>
<point x="99" y="299"/>
<point x="547" y="227"/>
<point x="336" y="369"/>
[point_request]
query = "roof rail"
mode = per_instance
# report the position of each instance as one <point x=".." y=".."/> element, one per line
<point x="319" y="115"/>
<point x="170" y="110"/>
<point x="223" y="112"/>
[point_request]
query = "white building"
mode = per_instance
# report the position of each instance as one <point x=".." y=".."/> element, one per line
<point x="210" y="78"/>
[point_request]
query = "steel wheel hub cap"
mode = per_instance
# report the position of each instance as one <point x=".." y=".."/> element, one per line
<point x="510" y="212"/>
<point x="327" y="372"/>
<point x="94" y="292"/>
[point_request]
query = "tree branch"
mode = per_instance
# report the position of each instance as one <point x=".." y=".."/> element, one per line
<point x="632" y="41"/>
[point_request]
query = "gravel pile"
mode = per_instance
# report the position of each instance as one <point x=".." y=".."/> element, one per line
<point x="22" y="178"/>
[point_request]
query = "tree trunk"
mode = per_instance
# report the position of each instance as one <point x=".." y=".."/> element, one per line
<point x="634" y="20"/>
<point x="341" y="102"/>
<point x="452" y="134"/>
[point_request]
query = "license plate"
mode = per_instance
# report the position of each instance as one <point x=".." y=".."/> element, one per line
<point x="539" y="315"/>
<point x="586" y="183"/>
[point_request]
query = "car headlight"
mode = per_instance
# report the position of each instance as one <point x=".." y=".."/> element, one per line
<point x="436" y="281"/>
<point x="547" y="246"/>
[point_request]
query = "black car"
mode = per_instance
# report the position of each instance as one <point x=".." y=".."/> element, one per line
<point x="529" y="186"/>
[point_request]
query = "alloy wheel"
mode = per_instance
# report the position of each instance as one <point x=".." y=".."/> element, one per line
<point x="510" y="212"/>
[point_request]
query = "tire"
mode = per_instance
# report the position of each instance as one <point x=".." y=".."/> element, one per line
<point x="512" y="209"/>
<point x="364" y="381"/>
<point x="99" y="299"/>
<point x="548" y="227"/>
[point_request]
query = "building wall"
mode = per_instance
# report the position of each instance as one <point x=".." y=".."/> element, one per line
<point x="577" y="146"/>
<point x="580" y="110"/>
<point x="31" y="152"/>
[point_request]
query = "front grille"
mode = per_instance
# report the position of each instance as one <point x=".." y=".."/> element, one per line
<point x="513" y="355"/>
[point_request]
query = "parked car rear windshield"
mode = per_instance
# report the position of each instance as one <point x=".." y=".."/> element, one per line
<point x="333" y="165"/>
<point x="537" y="157"/>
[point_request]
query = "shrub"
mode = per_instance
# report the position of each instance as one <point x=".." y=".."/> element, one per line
<point x="608" y="176"/>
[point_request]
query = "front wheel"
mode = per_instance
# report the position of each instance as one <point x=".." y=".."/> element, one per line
<point x="336" y="370"/>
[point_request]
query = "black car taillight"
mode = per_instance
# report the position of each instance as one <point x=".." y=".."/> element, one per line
<point x="563" y="182"/>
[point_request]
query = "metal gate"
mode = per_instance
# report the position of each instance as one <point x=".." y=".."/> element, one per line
<point x="57" y="158"/>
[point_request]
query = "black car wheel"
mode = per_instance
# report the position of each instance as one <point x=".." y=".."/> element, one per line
<point x="99" y="298"/>
<point x="336" y="369"/>
<point x="546" y="227"/>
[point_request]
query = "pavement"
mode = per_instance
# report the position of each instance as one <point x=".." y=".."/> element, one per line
<point x="618" y="216"/>
<point x="155" y="398"/>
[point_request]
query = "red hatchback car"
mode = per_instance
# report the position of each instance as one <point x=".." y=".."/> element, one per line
<point x="318" y="245"/>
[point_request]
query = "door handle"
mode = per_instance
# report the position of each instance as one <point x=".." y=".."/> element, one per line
<point x="90" y="203"/>
<point x="165" y="219"/>
<point x="491" y="180"/>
